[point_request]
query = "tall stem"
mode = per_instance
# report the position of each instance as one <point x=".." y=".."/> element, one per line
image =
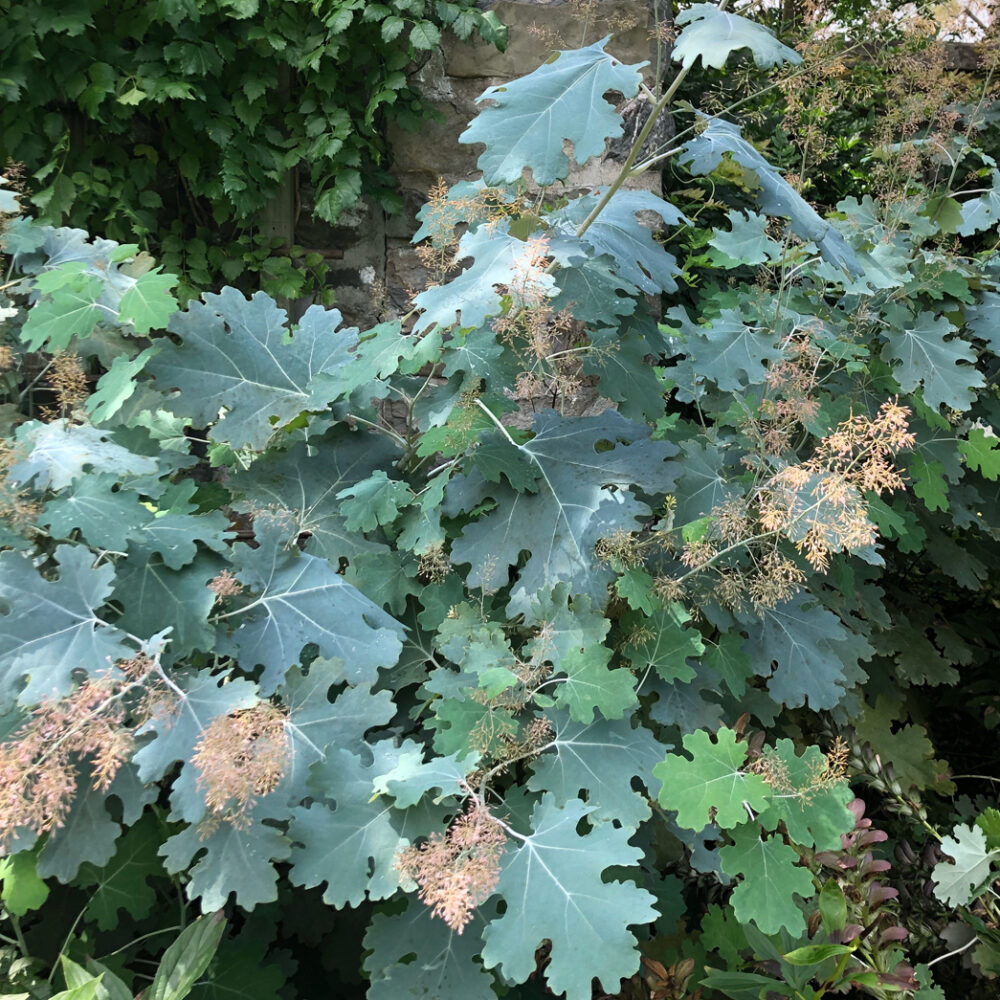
<point x="626" y="171"/>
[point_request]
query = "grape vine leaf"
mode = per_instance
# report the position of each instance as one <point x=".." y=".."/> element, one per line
<point x="957" y="882"/>
<point x="777" y="197"/>
<point x="300" y="599"/>
<point x="662" y="642"/>
<point x="573" y="508"/>
<point x="149" y="303"/>
<point x="445" y="964"/>
<point x="772" y="878"/>
<point x="711" y="785"/>
<point x="571" y="636"/>
<point x="51" y="628"/>
<point x="560" y="871"/>
<point x="559" y="101"/>
<point x="600" y="758"/>
<point x="981" y="451"/>
<point x="714" y="34"/>
<point x="945" y="368"/>
<point x="234" y="357"/>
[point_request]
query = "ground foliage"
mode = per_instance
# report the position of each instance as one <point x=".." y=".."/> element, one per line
<point x="342" y="633"/>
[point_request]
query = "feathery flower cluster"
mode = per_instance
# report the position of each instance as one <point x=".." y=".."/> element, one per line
<point x="820" y="504"/>
<point x="69" y="382"/>
<point x="458" y="871"/>
<point x="82" y="734"/>
<point x="240" y="757"/>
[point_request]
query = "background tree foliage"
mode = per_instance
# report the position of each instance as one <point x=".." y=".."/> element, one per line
<point x="175" y="121"/>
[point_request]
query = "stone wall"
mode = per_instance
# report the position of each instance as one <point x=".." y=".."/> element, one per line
<point x="378" y="268"/>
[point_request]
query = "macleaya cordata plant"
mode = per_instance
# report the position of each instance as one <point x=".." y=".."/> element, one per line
<point x="505" y="624"/>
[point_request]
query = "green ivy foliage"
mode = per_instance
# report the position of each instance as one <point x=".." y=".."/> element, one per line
<point x="175" y="121"/>
<point x="376" y="637"/>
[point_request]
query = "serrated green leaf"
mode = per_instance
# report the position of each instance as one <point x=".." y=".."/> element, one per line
<point x="373" y="501"/>
<point x="989" y="822"/>
<point x="814" y="812"/>
<point x="712" y="785"/>
<point x="981" y="451"/>
<point x="149" y="303"/>
<point x="22" y="890"/>
<point x="772" y="878"/>
<point x="662" y="643"/>
<point x="122" y="884"/>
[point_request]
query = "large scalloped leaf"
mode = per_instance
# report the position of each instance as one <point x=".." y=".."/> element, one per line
<point x="61" y="452"/>
<point x="237" y="860"/>
<point x="553" y="887"/>
<point x="304" y="481"/>
<point x="300" y="599"/>
<point x="616" y="233"/>
<point x="777" y="197"/>
<point x="944" y="367"/>
<point x="574" y="507"/>
<point x="713" y="34"/>
<point x="234" y="358"/>
<point x="535" y="114"/>
<point x="350" y="838"/>
<point x="51" y="628"/>
<point x="599" y="758"/>
<point x="815" y="654"/>
<point x="498" y="259"/>
<point x="445" y="965"/>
